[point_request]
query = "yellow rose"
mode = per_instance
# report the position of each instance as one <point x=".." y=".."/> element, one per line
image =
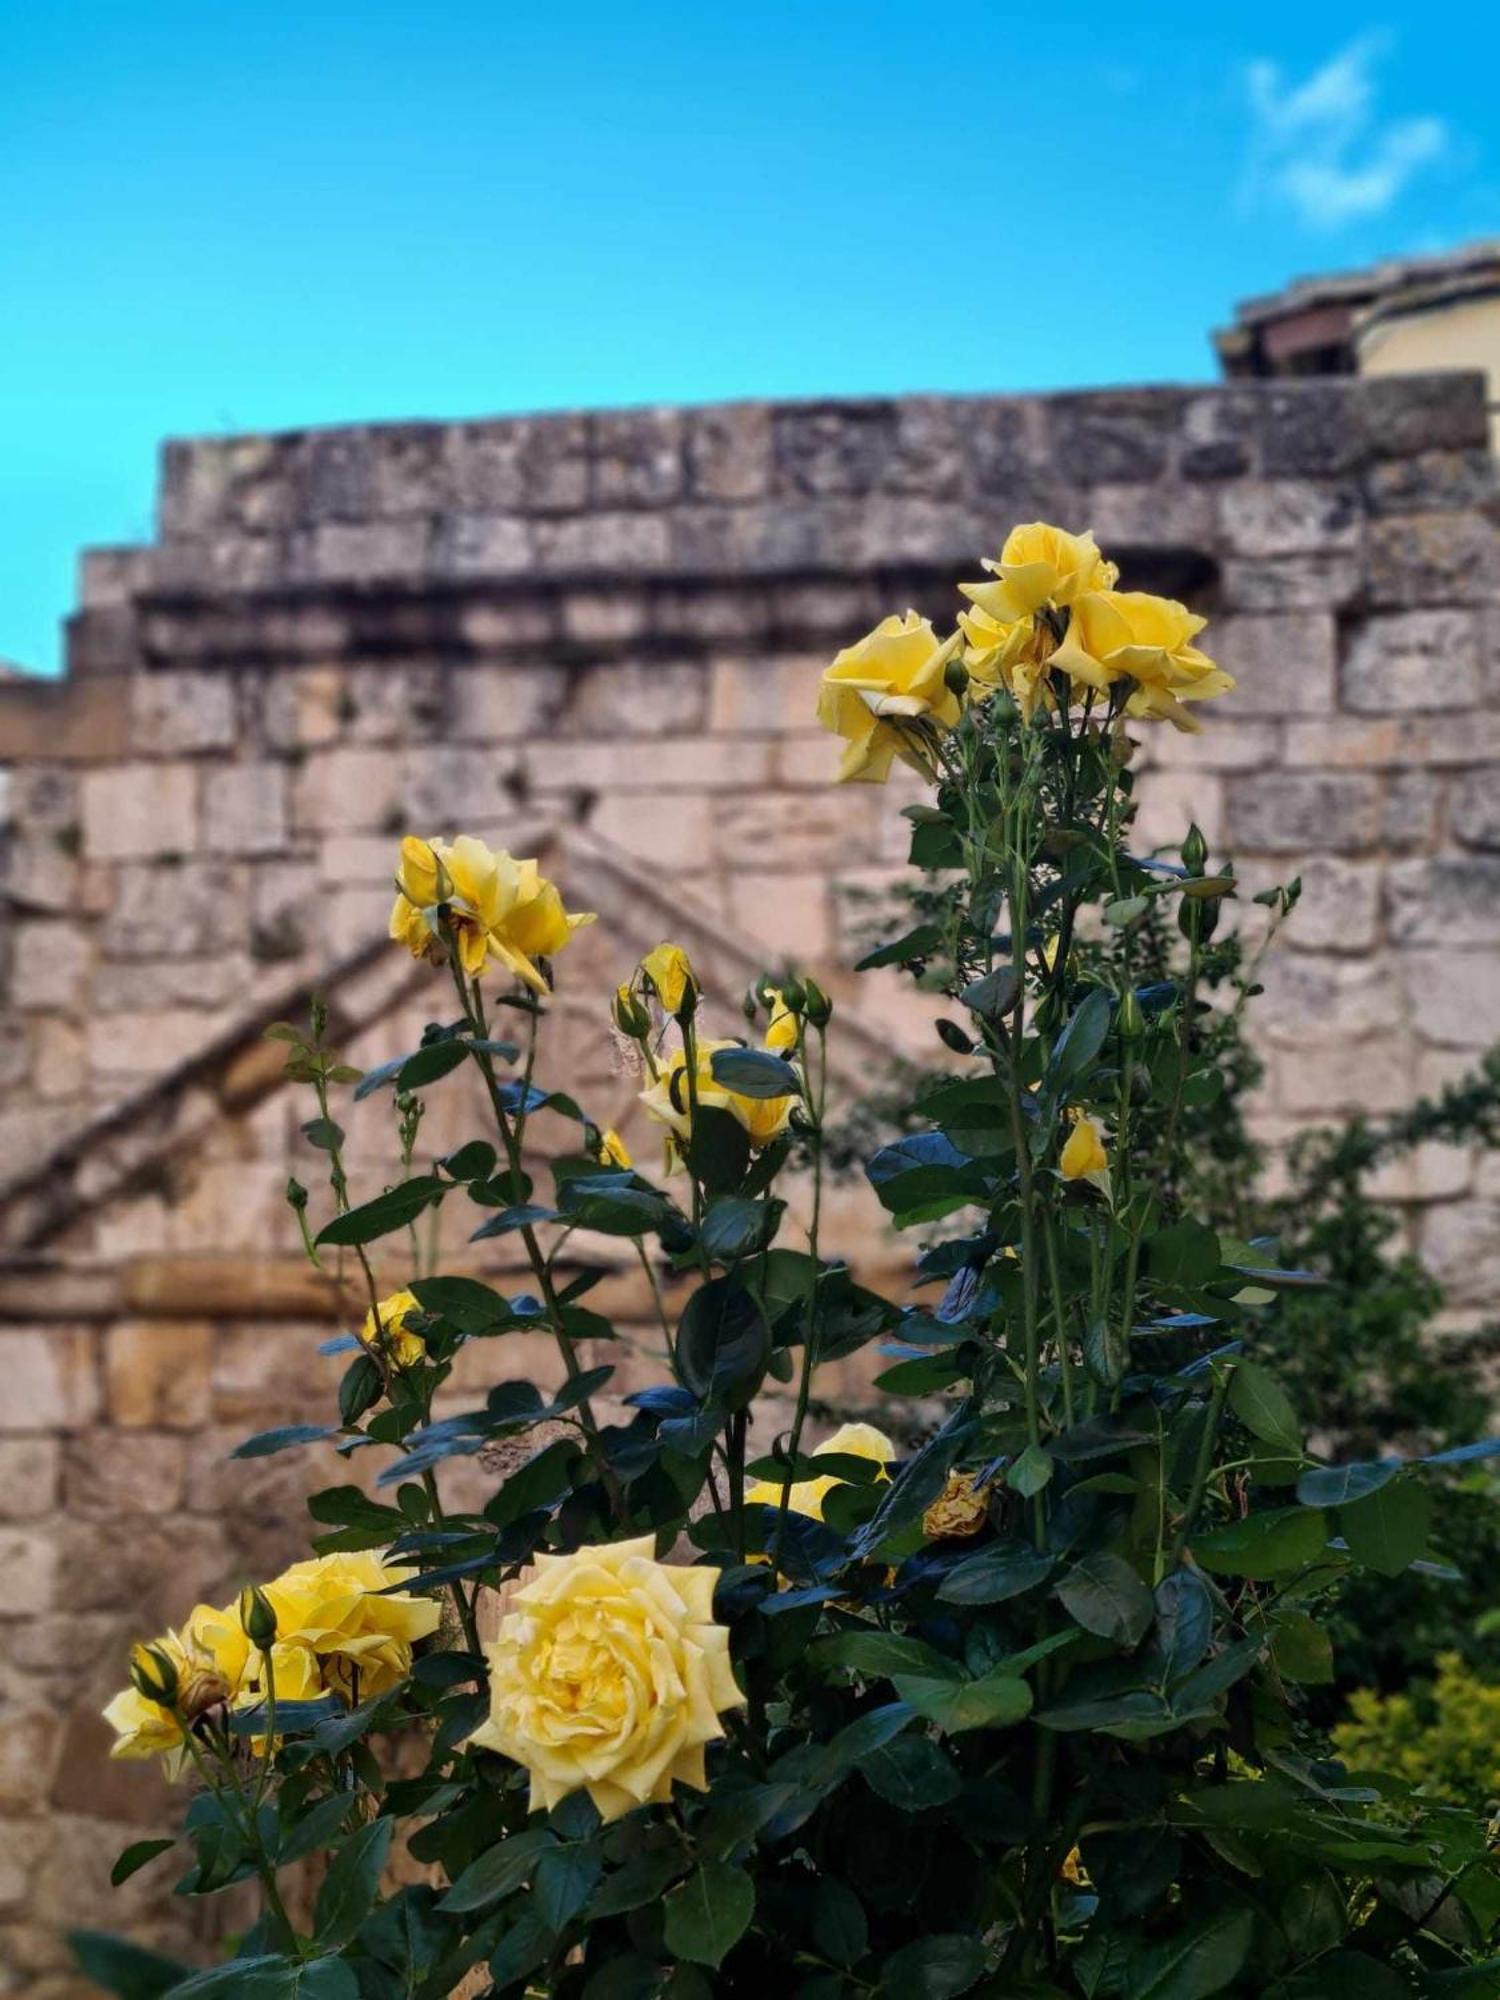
<point x="386" y="1328"/>
<point x="332" y="1606"/>
<point x="1016" y="656"/>
<point x="613" y="1152"/>
<point x="1040" y="565"/>
<point x="1128" y="634"/>
<point x="668" y="1102"/>
<point x="808" y="1495"/>
<point x="1083" y="1156"/>
<point x="609" y="1676"/>
<point x="497" y="907"/>
<point x="959" y="1510"/>
<point x="670" y="975"/>
<point x="209" y="1655"/>
<point x="893" y="676"/>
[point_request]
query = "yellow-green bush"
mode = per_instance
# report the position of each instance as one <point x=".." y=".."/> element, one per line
<point x="1443" y="1735"/>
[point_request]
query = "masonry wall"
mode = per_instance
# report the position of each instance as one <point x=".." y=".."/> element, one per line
<point x="606" y="630"/>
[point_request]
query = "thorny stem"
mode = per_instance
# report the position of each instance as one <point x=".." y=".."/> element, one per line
<point x="1203" y="1467"/>
<point x="810" y="1316"/>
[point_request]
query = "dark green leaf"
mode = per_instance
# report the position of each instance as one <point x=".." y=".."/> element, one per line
<point x="996" y="1574"/>
<point x="913" y="1773"/>
<point x="839" y="1926"/>
<point x="126" y="1970"/>
<point x="1196" y="1963"/>
<point x="349" y="1888"/>
<point x="723" y="1343"/>
<point x="1106" y="1597"/>
<point x="735" y="1228"/>
<point x="136" y="1856"/>
<point x="1388" y="1529"/>
<point x="1186" y="1255"/>
<point x="1342" y="1485"/>
<point x="710" y="1913"/>
<point x="1079" y="1042"/>
<point x="565" y="1878"/>
<point x="1264" y="1408"/>
<point x="754" y="1073"/>
<point x="283" y="1438"/>
<point x="933" y="1968"/>
<point x="1264" y="1545"/>
<point x="429" y="1063"/>
<point x="995" y="1701"/>
<point x="498" y="1871"/>
<point x="391" y="1210"/>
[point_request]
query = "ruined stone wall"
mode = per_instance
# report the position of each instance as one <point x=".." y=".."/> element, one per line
<point x="601" y="634"/>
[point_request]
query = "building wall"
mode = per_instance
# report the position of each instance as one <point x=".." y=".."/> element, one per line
<point x="601" y="635"/>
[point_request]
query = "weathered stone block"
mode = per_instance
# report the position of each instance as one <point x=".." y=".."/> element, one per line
<point x="1412" y="660"/>
<point x="1339" y="909"/>
<point x="1476" y="809"/>
<point x="598" y="543"/>
<point x="1107" y="436"/>
<point x="346" y="790"/>
<point x="533" y="465"/>
<point x="1288" y="517"/>
<point x="1460" y="1244"/>
<point x="501" y="703"/>
<point x="1279" y="812"/>
<point x="1453" y="996"/>
<point x="1291" y="583"/>
<point x="51" y="1377"/>
<point x="127" y="1047"/>
<point x="157" y="1373"/>
<point x="1430" y="479"/>
<point x="1284" y="665"/>
<point x="1312" y="1000"/>
<point x="669" y="839"/>
<point x="637" y="457"/>
<point x="363" y="551"/>
<point x="789" y="914"/>
<point x="1345" y="1079"/>
<point x="1405" y="414"/>
<point x="1433" y="558"/>
<point x="1008" y="445"/>
<point x="1453" y="900"/>
<point x="637" y="699"/>
<point x="165" y="910"/>
<point x="123" y="1472"/>
<point x="245" y="809"/>
<point x="729" y="454"/>
<point x="181" y="712"/>
<point x="28" y="1477"/>
<point x="49" y="964"/>
<point x="28" y="1562"/>
<point x="767" y="830"/>
<point x="483" y="545"/>
<point x="823" y="448"/>
<point x="1312" y="427"/>
<point x="28" y="1746"/>
<point x="136" y="812"/>
<point x="929" y="451"/>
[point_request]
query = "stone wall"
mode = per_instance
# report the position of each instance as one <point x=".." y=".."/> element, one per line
<point x="600" y="635"/>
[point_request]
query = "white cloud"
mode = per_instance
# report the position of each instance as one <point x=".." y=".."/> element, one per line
<point x="1321" y="147"/>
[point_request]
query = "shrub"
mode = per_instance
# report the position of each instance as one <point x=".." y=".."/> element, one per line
<point x="1016" y="1710"/>
<point x="1442" y="1736"/>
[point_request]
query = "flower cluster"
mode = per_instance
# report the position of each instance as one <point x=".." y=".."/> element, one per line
<point x="478" y="903"/>
<point x="1050" y="628"/>
<point x="341" y="1626"/>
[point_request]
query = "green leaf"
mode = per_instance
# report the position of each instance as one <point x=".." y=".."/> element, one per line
<point x="1263" y="1407"/>
<point x="735" y="1227"/>
<point x="1196" y="1963"/>
<point x="1342" y="1485"/>
<point x="349" y="1888"/>
<point x="616" y="1204"/>
<point x="1106" y="1596"/>
<point x="127" y="1970"/>
<point x="1301" y="1649"/>
<point x="522" y="1948"/>
<point x="718" y="1152"/>
<point x="881" y="1654"/>
<point x="839" y="1925"/>
<point x="918" y="943"/>
<point x="389" y="1211"/>
<point x="319" y="1826"/>
<point x="643" y="1879"/>
<point x="565" y="1878"/>
<point x="497" y="1872"/>
<point x="434" y="1060"/>
<point x="1031" y="1472"/>
<point x="995" y="1574"/>
<point x="1079" y="1042"/>
<point x="710" y="1913"/>
<point x="1264" y="1545"/>
<point x="1184" y="1623"/>
<point x="1186" y="1255"/>
<point x="933" y="1968"/>
<point x="283" y="1438"/>
<point x="912" y="1773"/>
<point x="135" y="1857"/>
<point x="996" y="1700"/>
<point x="723" y="1343"/>
<point x="1388" y="1529"/>
<point x="466" y="1304"/>
<point x="754" y="1073"/>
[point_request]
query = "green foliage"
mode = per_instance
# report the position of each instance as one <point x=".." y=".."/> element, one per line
<point x="1064" y="1751"/>
<point x="1442" y="1736"/>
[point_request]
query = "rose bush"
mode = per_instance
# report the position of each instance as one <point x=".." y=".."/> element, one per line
<point x="1006" y="1702"/>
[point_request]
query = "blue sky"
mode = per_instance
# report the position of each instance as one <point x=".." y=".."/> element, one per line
<point x="248" y="217"/>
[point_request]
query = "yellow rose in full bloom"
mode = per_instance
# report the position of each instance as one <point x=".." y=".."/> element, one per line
<point x="209" y="1654"/>
<point x="1040" y="565"/>
<point x="332" y="1605"/>
<point x="668" y="1101"/>
<point x="1083" y="1156"/>
<point x="497" y="907"/>
<point x="894" y="675"/>
<point x="807" y="1495"/>
<point x="609" y="1676"/>
<point x="1128" y="634"/>
<point x="386" y="1328"/>
<point x="669" y="974"/>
